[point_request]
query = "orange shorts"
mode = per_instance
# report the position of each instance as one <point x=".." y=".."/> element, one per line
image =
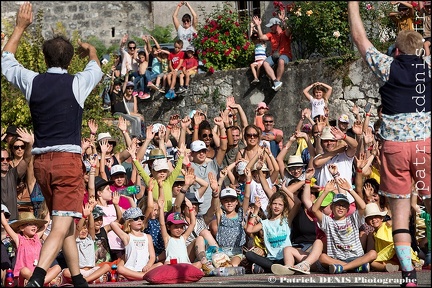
<point x="61" y="178"/>
<point x="402" y="163"/>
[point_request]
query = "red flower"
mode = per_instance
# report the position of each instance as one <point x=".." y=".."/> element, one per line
<point x="238" y="47"/>
<point x="227" y="33"/>
<point x="220" y="17"/>
<point x="211" y="70"/>
<point x="216" y="52"/>
<point x="204" y="61"/>
<point x="237" y="24"/>
<point x="227" y="53"/>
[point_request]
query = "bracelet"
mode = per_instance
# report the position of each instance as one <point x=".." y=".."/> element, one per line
<point x="85" y="217"/>
<point x="191" y="209"/>
<point x="336" y="175"/>
<point x="359" y="170"/>
<point x="223" y="137"/>
<point x="344" y="137"/>
<point x="368" y="114"/>
<point x="169" y="126"/>
<point x="307" y="181"/>
<point x="250" y="223"/>
<point x="91" y="133"/>
<point x="183" y="191"/>
<point x="124" y="131"/>
<point x="196" y="127"/>
<point x="188" y="165"/>
<point x="248" y="182"/>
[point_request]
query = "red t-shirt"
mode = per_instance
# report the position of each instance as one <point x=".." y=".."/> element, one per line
<point x="175" y="59"/>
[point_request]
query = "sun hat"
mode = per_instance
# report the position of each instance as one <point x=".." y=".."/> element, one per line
<point x="156" y="153"/>
<point x="180" y="178"/>
<point x="12" y="130"/>
<point x="228" y="192"/>
<point x="117" y="169"/>
<point x="160" y="164"/>
<point x="129" y="84"/>
<point x="261" y="105"/>
<point x="240" y="167"/>
<point x="156" y="127"/>
<point x="132" y="212"/>
<point x="100" y="182"/>
<point x="273" y="21"/>
<point x="344" y="118"/>
<point x="326" y="134"/>
<point x="176" y="218"/>
<point x="98" y="212"/>
<point x="340" y="197"/>
<point x="25" y="218"/>
<point x="327" y="200"/>
<point x="372" y="209"/>
<point x="105" y="135"/>
<point x="263" y="169"/>
<point x="295" y="161"/>
<point x="197" y="145"/>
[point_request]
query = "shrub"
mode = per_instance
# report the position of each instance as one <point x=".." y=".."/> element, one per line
<point x="222" y="42"/>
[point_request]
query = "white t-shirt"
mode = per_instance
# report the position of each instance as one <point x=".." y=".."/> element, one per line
<point x="256" y="189"/>
<point x="318" y="106"/>
<point x="186" y="35"/>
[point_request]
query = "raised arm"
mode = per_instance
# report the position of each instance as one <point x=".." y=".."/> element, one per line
<point x="357" y="29"/>
<point x="23" y="19"/>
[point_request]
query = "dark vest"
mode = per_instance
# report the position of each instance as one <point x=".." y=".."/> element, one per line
<point x="56" y="114"/>
<point x="408" y="89"/>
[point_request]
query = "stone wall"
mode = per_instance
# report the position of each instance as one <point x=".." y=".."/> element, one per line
<point x="352" y="84"/>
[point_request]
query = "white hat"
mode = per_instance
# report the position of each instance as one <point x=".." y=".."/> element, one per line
<point x="156" y="127"/>
<point x="117" y="169"/>
<point x="273" y="21"/>
<point x="262" y="105"/>
<point x="160" y="164"/>
<point x="240" y="167"/>
<point x="197" y="145"/>
<point x="372" y="209"/>
<point x="107" y="135"/>
<point x="295" y="161"/>
<point x="326" y="134"/>
<point x="263" y="169"/>
<point x="228" y="192"/>
<point x="344" y="118"/>
<point x="5" y="210"/>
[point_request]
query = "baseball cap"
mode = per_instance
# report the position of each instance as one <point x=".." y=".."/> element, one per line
<point x="100" y="182"/>
<point x="192" y="198"/>
<point x="160" y="164"/>
<point x="340" y="197"/>
<point x="129" y="84"/>
<point x="344" y="118"/>
<point x="98" y="212"/>
<point x="176" y="218"/>
<point x="117" y="169"/>
<point x="327" y="200"/>
<point x="156" y="127"/>
<point x="132" y="213"/>
<point x="190" y="48"/>
<point x="228" y="192"/>
<point x="273" y="21"/>
<point x="241" y="167"/>
<point x="5" y="210"/>
<point x="12" y="129"/>
<point x="197" y="145"/>
<point x="262" y="105"/>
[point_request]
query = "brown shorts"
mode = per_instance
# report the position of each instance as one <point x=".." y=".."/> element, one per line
<point x="61" y="178"/>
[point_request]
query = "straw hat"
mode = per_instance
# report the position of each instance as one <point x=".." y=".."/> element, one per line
<point x="372" y="209"/>
<point x="326" y="134"/>
<point x="25" y="218"/>
<point x="295" y="161"/>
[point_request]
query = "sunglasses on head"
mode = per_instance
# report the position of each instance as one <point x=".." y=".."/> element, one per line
<point x="5" y="158"/>
<point x="16" y="147"/>
<point x="138" y="218"/>
<point x="207" y="135"/>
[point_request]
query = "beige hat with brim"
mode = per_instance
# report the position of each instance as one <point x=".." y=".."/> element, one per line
<point x="372" y="209"/>
<point x="326" y="134"/>
<point x="25" y="218"/>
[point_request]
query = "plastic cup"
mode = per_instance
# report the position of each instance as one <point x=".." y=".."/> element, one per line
<point x="173" y="261"/>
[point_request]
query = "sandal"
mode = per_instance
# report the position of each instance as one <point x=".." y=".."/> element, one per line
<point x="302" y="267"/>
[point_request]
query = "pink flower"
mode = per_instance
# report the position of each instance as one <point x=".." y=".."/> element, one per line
<point x="369" y="6"/>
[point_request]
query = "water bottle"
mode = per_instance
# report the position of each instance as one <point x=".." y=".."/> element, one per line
<point x="9" y="280"/>
<point x="114" y="273"/>
<point x="229" y="271"/>
<point x="130" y="190"/>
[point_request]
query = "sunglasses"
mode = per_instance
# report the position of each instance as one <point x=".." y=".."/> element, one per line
<point x="132" y="48"/>
<point x="138" y="218"/>
<point x="252" y="135"/>
<point x="5" y="158"/>
<point x="186" y="21"/>
<point x="140" y="143"/>
<point x="16" y="147"/>
<point x="207" y="135"/>
<point x="112" y="143"/>
<point x="269" y="121"/>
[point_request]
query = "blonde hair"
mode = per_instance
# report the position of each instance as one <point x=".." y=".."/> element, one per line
<point x="409" y="42"/>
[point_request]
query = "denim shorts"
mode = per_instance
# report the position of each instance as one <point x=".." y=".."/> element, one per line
<point x="269" y="59"/>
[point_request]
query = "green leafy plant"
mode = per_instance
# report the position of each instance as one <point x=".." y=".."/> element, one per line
<point x="222" y="41"/>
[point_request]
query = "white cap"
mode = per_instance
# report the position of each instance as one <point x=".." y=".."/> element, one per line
<point x="156" y="127"/>
<point x="117" y="169"/>
<point x="197" y="145"/>
<point x="228" y="192"/>
<point x="273" y="21"/>
<point x="5" y="210"/>
<point x="241" y="167"/>
<point x="160" y="164"/>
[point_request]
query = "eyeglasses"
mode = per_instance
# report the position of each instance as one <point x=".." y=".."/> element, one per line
<point x="138" y="218"/>
<point x="16" y="147"/>
<point x="5" y="158"/>
<point x="268" y="121"/>
<point x="207" y="135"/>
<point x="252" y="135"/>
<point x="132" y="48"/>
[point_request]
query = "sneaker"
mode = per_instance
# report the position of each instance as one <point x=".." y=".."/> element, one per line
<point x="180" y="90"/>
<point x="146" y="96"/>
<point x="152" y="86"/>
<point x="106" y="107"/>
<point x="33" y="283"/>
<point x="391" y="267"/>
<point x="279" y="269"/>
<point x="256" y="269"/>
<point x="170" y="94"/>
<point x="335" y="269"/>
<point x="363" y="268"/>
<point x="409" y="278"/>
<point x="277" y="85"/>
<point x="161" y="90"/>
<point x="134" y="93"/>
<point x="255" y="81"/>
<point x="302" y="267"/>
<point x="140" y="94"/>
